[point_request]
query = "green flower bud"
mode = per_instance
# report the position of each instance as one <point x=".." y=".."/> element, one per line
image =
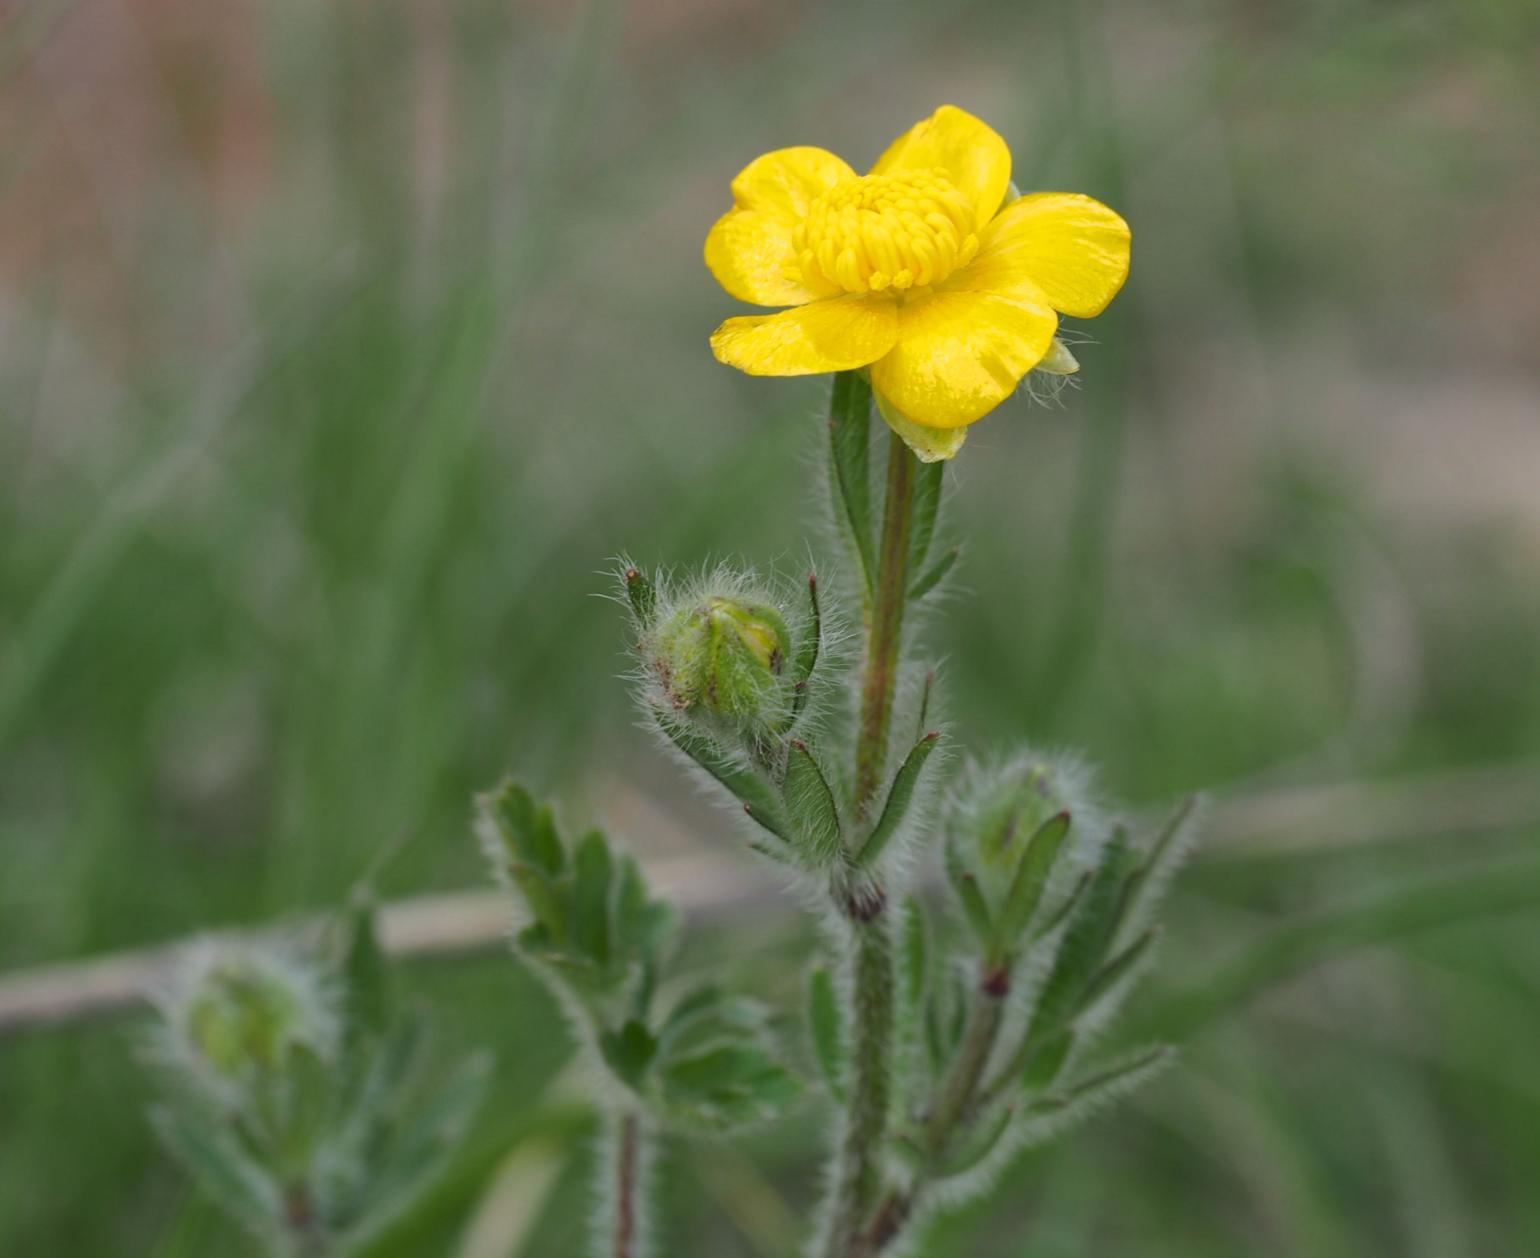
<point x="996" y="818"/>
<point x="723" y="657"/>
<point x="243" y="1011"/>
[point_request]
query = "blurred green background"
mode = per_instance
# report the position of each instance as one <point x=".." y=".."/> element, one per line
<point x="342" y="346"/>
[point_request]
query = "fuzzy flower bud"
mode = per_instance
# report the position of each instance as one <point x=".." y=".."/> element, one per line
<point x="998" y="815"/>
<point x="723" y="656"/>
<point x="242" y="1011"/>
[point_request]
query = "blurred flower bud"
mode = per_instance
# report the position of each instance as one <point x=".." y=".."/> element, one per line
<point x="723" y="656"/>
<point x="241" y="1010"/>
<point x="996" y="817"/>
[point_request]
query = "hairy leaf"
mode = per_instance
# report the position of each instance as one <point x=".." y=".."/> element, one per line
<point x="900" y="796"/>
<point x="810" y="803"/>
<point x="823" y="1021"/>
<point x="850" y="419"/>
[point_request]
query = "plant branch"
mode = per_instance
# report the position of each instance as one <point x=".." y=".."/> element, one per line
<point x="953" y="1104"/>
<point x="962" y="1082"/>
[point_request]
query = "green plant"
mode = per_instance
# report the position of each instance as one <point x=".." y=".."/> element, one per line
<point x="298" y="1096"/>
<point x="948" y="1039"/>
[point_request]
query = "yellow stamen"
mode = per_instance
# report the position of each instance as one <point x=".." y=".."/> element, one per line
<point x="882" y="232"/>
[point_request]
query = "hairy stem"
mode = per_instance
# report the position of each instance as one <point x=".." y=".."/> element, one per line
<point x="866" y="1117"/>
<point x="884" y="625"/>
<point x="625" y="1240"/>
<point x="870" y="963"/>
<point x="962" y="1082"/>
<point x="953" y="1104"/>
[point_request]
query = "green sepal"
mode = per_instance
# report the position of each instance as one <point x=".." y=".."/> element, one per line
<point x="807" y="650"/>
<point x="934" y="575"/>
<point x="629" y="1052"/>
<point x="1031" y="879"/>
<point x="642" y="594"/>
<point x="850" y="419"/>
<point x="810" y="803"/>
<point x="751" y="790"/>
<point x="900" y="796"/>
<point x="825" y="1031"/>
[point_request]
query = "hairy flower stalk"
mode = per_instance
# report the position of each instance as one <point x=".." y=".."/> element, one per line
<point x="870" y="962"/>
<point x="885" y="624"/>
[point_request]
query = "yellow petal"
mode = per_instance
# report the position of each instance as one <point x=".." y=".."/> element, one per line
<point x="969" y="151"/>
<point x="751" y="254"/>
<point x="783" y="183"/>
<point x="930" y="445"/>
<point x="961" y="353"/>
<point x="837" y="334"/>
<point x="1071" y="248"/>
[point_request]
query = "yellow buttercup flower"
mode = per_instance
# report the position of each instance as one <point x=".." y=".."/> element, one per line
<point x="922" y="271"/>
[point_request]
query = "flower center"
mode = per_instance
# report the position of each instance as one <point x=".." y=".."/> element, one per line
<point x="882" y="232"/>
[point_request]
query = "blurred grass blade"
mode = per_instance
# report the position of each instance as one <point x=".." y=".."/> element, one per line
<point x="1452" y="899"/>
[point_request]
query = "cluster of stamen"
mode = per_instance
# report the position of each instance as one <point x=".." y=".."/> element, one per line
<point x="882" y="232"/>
